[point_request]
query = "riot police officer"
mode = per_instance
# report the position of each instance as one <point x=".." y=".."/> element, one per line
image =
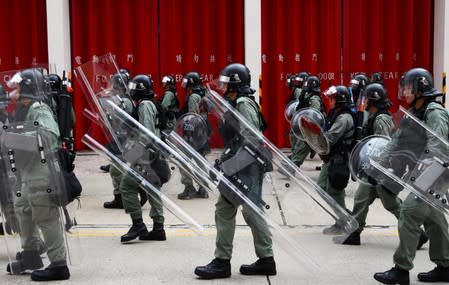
<point x="334" y="175"/>
<point x="308" y="98"/>
<point x="299" y="147"/>
<point x="142" y="93"/>
<point x="358" y="84"/>
<point x="295" y="82"/>
<point x="32" y="210"/>
<point x="170" y="101"/>
<point x="379" y="123"/>
<point x="119" y="81"/>
<point x="236" y="77"/>
<point x="195" y="91"/>
<point x="417" y="87"/>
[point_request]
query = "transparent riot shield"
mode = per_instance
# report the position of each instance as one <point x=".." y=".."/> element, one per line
<point x="98" y="78"/>
<point x="132" y="148"/>
<point x="295" y="205"/>
<point x="35" y="194"/>
<point x="290" y="110"/>
<point x="416" y="160"/>
<point x="368" y="148"/>
<point x="311" y="124"/>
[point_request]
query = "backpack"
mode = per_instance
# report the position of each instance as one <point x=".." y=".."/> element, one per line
<point x="162" y="116"/>
<point x="66" y="153"/>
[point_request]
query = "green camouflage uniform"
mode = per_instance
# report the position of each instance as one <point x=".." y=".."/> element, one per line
<point x="35" y="208"/>
<point x="367" y="193"/>
<point x="415" y="212"/>
<point x="169" y="103"/>
<point x="225" y="212"/>
<point x="340" y="131"/>
<point x="129" y="187"/>
<point x="300" y="149"/>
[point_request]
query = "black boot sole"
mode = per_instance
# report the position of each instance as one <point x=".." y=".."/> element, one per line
<point x="209" y="276"/>
<point x="128" y="239"/>
<point x="391" y="282"/>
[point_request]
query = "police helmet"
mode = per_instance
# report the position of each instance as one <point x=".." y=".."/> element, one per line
<point x="312" y="84"/>
<point x="376" y="77"/>
<point x="168" y="80"/>
<point x="419" y="82"/>
<point x="359" y="82"/>
<point x="341" y="95"/>
<point x="30" y="82"/>
<point x="125" y="73"/>
<point x="119" y="81"/>
<point x="192" y="80"/>
<point x="376" y="94"/>
<point x="237" y="78"/>
<point x="54" y="82"/>
<point x="141" y="87"/>
<point x="297" y="80"/>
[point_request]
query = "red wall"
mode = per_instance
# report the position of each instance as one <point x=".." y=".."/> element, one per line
<point x="195" y="35"/>
<point x="23" y="33"/>
<point x="330" y="38"/>
<point x="335" y="39"/>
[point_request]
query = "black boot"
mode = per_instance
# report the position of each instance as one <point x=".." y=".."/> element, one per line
<point x="423" y="238"/>
<point x="202" y="193"/>
<point x="31" y="260"/>
<point x="438" y="274"/>
<point x="312" y="154"/>
<point x="395" y="275"/>
<point x="51" y="273"/>
<point x="353" y="239"/>
<point x="188" y="193"/>
<point x="2" y="232"/>
<point x="137" y="229"/>
<point x="158" y="233"/>
<point x="217" y="268"/>
<point x="42" y="249"/>
<point x="105" y="168"/>
<point x="114" y="204"/>
<point x="263" y="266"/>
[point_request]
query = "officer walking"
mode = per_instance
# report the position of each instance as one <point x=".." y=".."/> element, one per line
<point x="195" y="92"/>
<point x="35" y="208"/>
<point x="309" y="98"/>
<point x="236" y="77"/>
<point x="417" y="87"/>
<point x="334" y="175"/>
<point x="299" y="147"/>
<point x="379" y="123"/>
<point x="119" y="81"/>
<point x="170" y="101"/>
<point x="141" y="89"/>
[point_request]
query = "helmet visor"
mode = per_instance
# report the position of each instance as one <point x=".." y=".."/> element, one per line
<point x="329" y="98"/>
<point x="405" y="90"/>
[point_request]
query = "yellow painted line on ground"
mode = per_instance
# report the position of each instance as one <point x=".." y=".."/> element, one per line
<point x="243" y="232"/>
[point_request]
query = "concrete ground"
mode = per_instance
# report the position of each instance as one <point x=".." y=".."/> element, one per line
<point x="98" y="257"/>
